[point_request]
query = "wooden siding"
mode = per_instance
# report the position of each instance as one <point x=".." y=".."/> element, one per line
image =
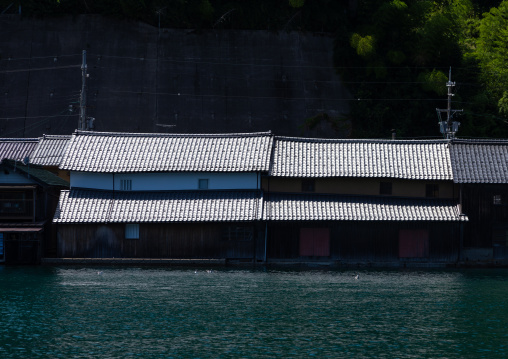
<point x="178" y="240"/>
<point x="366" y="241"/>
<point x="360" y="186"/>
<point x="484" y="215"/>
<point x="22" y="248"/>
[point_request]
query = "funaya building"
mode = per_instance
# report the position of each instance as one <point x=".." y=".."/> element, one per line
<point x="261" y="198"/>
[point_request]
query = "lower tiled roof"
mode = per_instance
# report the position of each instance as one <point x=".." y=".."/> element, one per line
<point x="35" y="172"/>
<point x="85" y="206"/>
<point x="315" y="207"/>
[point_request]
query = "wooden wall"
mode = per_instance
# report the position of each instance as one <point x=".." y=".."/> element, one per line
<point x="349" y="241"/>
<point x="360" y="186"/>
<point x="484" y="216"/>
<point x="367" y="241"/>
<point x="162" y="240"/>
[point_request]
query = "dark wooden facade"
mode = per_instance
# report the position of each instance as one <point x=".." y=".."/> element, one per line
<point x="162" y="240"/>
<point x="486" y="206"/>
<point x="25" y="222"/>
<point x="369" y="242"/>
<point x="28" y="199"/>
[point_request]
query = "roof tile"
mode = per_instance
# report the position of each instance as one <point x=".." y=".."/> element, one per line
<point x="315" y="207"/>
<point x="300" y="157"/>
<point x="123" y="152"/>
<point x="80" y="206"/>
<point x="479" y="161"/>
<point x="17" y="148"/>
<point x="49" y="150"/>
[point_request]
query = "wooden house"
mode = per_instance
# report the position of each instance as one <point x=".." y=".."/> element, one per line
<point x="28" y="198"/>
<point x="163" y="195"/>
<point x="369" y="201"/>
<point x="480" y="168"/>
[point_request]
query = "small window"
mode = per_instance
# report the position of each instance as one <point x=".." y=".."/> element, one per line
<point x="132" y="231"/>
<point x="385" y="188"/>
<point x="497" y="199"/>
<point x="203" y="183"/>
<point x="432" y="190"/>
<point x="308" y="185"/>
<point x="126" y="185"/>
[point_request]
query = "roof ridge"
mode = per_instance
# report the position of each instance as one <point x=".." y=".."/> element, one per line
<point x="44" y="136"/>
<point x="180" y="135"/>
<point x="476" y="141"/>
<point x="357" y="140"/>
<point x="34" y="139"/>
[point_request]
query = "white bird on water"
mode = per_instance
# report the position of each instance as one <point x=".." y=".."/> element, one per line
<point x="99" y="273"/>
<point x="357" y="276"/>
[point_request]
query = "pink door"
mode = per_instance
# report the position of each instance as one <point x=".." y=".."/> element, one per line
<point x="413" y="243"/>
<point x="314" y="242"/>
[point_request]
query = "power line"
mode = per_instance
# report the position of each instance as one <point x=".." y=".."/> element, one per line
<point x="38" y="57"/>
<point x="28" y="117"/>
<point x="269" y="97"/>
<point x="40" y="69"/>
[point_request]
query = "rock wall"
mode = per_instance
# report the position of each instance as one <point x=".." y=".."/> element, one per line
<point x="142" y="79"/>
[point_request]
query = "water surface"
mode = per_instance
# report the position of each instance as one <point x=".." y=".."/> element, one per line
<point x="64" y="312"/>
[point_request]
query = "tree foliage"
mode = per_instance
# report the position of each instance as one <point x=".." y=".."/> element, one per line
<point x="492" y="54"/>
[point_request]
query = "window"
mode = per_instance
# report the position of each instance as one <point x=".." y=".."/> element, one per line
<point x="233" y="233"/>
<point x="432" y="190"/>
<point x="385" y="188"/>
<point x="16" y="203"/>
<point x="497" y="199"/>
<point x="308" y="185"/>
<point x="132" y="231"/>
<point x="126" y="185"/>
<point x="203" y="183"/>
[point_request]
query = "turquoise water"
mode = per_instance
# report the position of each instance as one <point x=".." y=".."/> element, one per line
<point x="50" y="312"/>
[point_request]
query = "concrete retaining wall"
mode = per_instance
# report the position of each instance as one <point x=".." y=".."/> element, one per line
<point x="145" y="80"/>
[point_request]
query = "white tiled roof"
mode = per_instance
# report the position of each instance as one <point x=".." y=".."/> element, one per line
<point x="85" y="206"/>
<point x="123" y="152"/>
<point x="314" y="207"/>
<point x="17" y="148"/>
<point x="299" y="157"/>
<point x="479" y="161"/>
<point x="50" y="150"/>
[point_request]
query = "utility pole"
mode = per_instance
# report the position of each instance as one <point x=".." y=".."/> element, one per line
<point x="448" y="128"/>
<point x="82" y="125"/>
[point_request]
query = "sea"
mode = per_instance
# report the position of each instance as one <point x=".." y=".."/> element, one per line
<point x="252" y="312"/>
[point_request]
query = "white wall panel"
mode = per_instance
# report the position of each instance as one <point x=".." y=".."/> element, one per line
<point x="166" y="181"/>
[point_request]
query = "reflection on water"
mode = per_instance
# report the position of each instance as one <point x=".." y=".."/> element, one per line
<point x="149" y="313"/>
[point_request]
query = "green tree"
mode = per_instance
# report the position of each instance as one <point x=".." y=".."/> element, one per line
<point x="492" y="54"/>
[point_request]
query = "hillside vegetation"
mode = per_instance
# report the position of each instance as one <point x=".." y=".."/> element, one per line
<point x="393" y="55"/>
